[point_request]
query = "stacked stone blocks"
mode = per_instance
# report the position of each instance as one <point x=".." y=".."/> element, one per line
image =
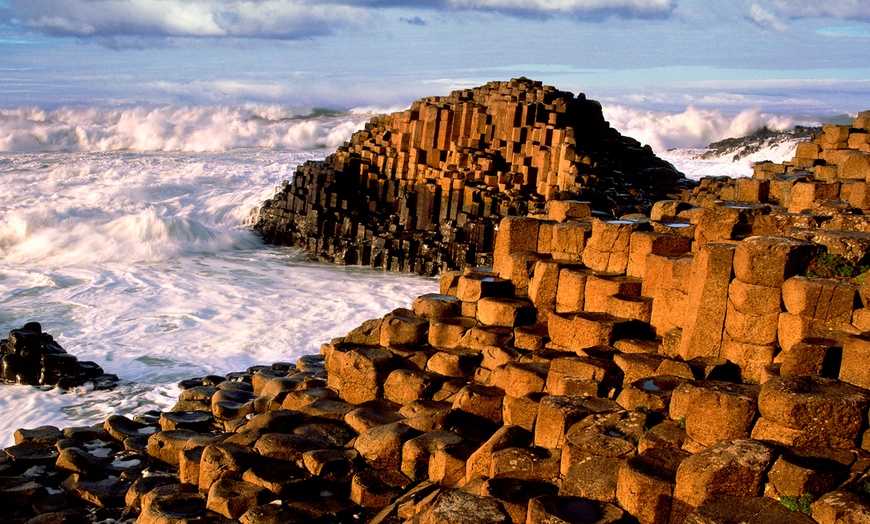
<point x="423" y="190"/>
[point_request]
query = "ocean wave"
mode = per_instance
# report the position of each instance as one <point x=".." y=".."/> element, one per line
<point x="186" y="129"/>
<point x="698" y="163"/>
<point x="693" y="128"/>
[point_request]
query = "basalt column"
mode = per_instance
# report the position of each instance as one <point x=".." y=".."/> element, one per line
<point x="422" y="190"/>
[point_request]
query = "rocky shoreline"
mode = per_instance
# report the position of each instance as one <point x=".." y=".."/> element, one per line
<point x="704" y="363"/>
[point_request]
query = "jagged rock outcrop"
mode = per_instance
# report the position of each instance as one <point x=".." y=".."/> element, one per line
<point x="738" y="148"/>
<point x="422" y="190"/>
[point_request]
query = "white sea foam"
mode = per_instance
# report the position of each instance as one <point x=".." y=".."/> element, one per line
<point x="693" y="164"/>
<point x="680" y="138"/>
<point x="692" y="128"/>
<point x="174" y="128"/>
<point x="142" y="262"/>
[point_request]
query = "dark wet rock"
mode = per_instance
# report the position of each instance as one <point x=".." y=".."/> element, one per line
<point x="32" y="357"/>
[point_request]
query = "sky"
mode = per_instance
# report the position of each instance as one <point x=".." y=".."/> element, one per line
<point x="787" y="57"/>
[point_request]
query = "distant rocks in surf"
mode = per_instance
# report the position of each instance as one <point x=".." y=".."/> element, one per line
<point x="422" y="190"/>
<point x="33" y="358"/>
<point x="764" y="138"/>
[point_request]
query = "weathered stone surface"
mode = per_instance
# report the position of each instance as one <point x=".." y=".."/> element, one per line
<point x="121" y="427"/>
<point x="579" y="331"/>
<point x="436" y="306"/>
<point x="457" y="507"/>
<point x="176" y="502"/>
<point x="533" y="463"/>
<point x="841" y="506"/>
<point x="403" y="328"/>
<point x="514" y="494"/>
<point x="801" y="471"/>
<point x="728" y="467"/>
<point x="644" y="243"/>
<point x="233" y="498"/>
<point x="165" y="445"/>
<point x="853" y="367"/>
<point x="376" y="488"/>
<point x="728" y="509"/>
<point x="478" y="464"/>
<point x="608" y="248"/>
<point x="720" y="411"/>
<point x="651" y="393"/>
<point x="770" y="261"/>
<point x="812" y="356"/>
<point x="223" y="460"/>
<point x="505" y="312"/>
<point x="707" y="301"/>
<point x="645" y="484"/>
<point x="828" y="300"/>
<point x="594" y="478"/>
<point x="108" y="492"/>
<point x="555" y="509"/>
<point x="381" y="446"/>
<point x="815" y="405"/>
<point x="517" y="380"/>
<point x="555" y="415"/>
<point x="482" y="401"/>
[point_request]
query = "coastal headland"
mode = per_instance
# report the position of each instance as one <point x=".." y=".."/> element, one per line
<point x="639" y="348"/>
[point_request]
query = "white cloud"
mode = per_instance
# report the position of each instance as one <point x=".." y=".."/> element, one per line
<point x="276" y="19"/>
<point x="765" y="19"/>
<point x="640" y="8"/>
<point x="844" y="9"/>
<point x="282" y="19"/>
<point x="224" y="90"/>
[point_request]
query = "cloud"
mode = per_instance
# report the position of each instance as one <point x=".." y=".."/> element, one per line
<point x="273" y="19"/>
<point x="416" y="20"/>
<point x="278" y="19"/>
<point x="625" y="8"/>
<point x="765" y="19"/>
<point x="841" y="9"/>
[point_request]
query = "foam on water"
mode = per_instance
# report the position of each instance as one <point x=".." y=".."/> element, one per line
<point x="174" y="128"/>
<point x="142" y="262"/>
<point x="693" y="164"/>
<point x="680" y="138"/>
<point x="692" y="128"/>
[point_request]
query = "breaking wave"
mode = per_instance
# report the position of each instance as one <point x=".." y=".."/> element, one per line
<point x="693" y="128"/>
<point x="186" y="129"/>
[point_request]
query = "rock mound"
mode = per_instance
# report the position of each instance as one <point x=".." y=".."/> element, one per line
<point x="422" y="190"/>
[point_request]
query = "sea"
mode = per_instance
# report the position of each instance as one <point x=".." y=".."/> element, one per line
<point x="125" y="231"/>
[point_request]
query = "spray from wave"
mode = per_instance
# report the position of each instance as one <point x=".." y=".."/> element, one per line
<point x="187" y="129"/>
<point x="692" y="128"/>
<point x="684" y="138"/>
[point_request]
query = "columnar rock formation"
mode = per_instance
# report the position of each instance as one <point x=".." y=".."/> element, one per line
<point x="422" y="190"/>
<point x="822" y="195"/>
<point x="677" y="368"/>
<point x="605" y="371"/>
